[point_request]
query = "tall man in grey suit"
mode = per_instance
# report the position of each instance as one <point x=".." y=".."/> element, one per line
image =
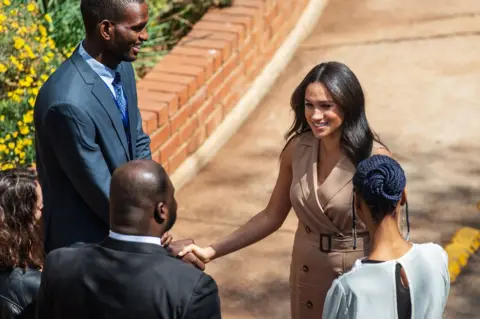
<point x="88" y="123"/>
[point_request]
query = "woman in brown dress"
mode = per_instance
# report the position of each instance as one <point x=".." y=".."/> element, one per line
<point x="329" y="137"/>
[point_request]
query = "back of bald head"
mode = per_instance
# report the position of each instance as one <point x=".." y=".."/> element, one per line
<point x="135" y="190"/>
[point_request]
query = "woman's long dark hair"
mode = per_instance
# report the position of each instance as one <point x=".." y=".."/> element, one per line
<point x="343" y="86"/>
<point x="20" y="236"/>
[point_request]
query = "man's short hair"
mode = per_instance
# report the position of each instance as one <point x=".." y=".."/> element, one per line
<point x="138" y="183"/>
<point x="94" y="11"/>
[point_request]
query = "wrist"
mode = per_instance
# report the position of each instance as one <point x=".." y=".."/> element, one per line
<point x="211" y="253"/>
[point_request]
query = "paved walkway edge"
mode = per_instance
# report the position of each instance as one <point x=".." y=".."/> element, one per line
<point x="464" y="244"/>
<point x="259" y="88"/>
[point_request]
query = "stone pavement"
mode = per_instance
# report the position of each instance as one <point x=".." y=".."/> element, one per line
<point x="418" y="62"/>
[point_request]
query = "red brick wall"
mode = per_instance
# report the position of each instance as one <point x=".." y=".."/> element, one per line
<point x="187" y="95"/>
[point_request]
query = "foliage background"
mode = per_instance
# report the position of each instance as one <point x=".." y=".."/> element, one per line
<point x="36" y="36"/>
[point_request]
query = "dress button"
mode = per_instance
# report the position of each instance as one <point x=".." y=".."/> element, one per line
<point x="307" y="229"/>
<point x="305" y="268"/>
<point x="309" y="305"/>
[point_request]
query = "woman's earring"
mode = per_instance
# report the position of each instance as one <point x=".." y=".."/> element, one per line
<point x="407" y="237"/>
<point x="354" y="222"/>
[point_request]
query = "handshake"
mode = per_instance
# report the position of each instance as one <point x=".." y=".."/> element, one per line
<point x="187" y="251"/>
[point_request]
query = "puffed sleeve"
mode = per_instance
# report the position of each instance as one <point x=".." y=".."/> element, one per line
<point x="336" y="302"/>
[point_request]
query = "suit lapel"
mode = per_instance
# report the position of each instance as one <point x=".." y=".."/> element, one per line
<point x="338" y="178"/>
<point x="127" y="88"/>
<point x="313" y="174"/>
<point x="103" y="95"/>
<point x="105" y="98"/>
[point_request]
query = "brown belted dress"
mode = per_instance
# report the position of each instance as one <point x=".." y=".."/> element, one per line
<point x="323" y="247"/>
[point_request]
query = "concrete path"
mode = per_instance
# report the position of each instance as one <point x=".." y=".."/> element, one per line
<point x="419" y="64"/>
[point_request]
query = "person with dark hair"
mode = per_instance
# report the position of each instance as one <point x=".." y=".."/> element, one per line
<point x="397" y="279"/>
<point x="129" y="274"/>
<point x="87" y="122"/>
<point x="21" y="248"/>
<point x="330" y="135"/>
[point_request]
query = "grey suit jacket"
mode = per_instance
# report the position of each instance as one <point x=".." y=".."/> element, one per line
<point x="80" y="140"/>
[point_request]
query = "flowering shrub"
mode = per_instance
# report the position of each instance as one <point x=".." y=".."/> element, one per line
<point x="28" y="55"/>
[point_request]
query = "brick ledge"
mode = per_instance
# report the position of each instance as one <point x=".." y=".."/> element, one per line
<point x="196" y="98"/>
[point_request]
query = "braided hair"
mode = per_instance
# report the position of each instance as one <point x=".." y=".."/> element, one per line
<point x="380" y="181"/>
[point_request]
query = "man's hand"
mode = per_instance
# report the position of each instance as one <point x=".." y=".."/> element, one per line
<point x="204" y="254"/>
<point x="176" y="246"/>
<point x="166" y="239"/>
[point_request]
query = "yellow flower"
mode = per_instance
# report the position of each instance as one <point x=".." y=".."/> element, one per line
<point x="16" y="98"/>
<point x="51" y="43"/>
<point x="7" y="165"/>
<point x="7" y="2"/>
<point x="46" y="59"/>
<point x="43" y="30"/>
<point x="31" y="101"/>
<point x="24" y="130"/>
<point x="2" y="118"/>
<point x="29" y="51"/>
<point x="11" y="145"/>
<point x="48" y="18"/>
<point x="31" y="7"/>
<point x="44" y="77"/>
<point x="1" y="28"/>
<point x="19" y="123"/>
<point x="19" y="43"/>
<point x="7" y="137"/>
<point x="2" y="147"/>
<point x="15" y="134"/>
<point x="2" y="18"/>
<point x="23" y="30"/>
<point x="2" y="141"/>
<point x="22" y="162"/>
<point x="3" y="68"/>
<point x="22" y="155"/>
<point x="28" y="117"/>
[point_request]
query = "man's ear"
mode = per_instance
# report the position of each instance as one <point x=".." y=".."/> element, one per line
<point x="106" y="29"/>
<point x="161" y="213"/>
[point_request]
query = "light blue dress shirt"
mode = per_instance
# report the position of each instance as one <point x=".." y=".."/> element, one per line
<point x="104" y="72"/>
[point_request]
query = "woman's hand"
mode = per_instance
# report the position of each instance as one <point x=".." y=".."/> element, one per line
<point x="204" y="254"/>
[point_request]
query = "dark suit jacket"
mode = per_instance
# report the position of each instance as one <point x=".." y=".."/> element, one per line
<point x="123" y="280"/>
<point x="80" y="141"/>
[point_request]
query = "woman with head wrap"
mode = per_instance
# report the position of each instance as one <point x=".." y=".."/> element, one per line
<point x="397" y="279"/>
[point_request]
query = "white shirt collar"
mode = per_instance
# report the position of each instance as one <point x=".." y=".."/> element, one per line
<point x="137" y="239"/>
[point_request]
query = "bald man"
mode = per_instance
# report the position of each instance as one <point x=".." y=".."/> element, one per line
<point x="129" y="274"/>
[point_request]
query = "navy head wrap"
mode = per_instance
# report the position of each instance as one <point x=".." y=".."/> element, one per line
<point x="380" y="181"/>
